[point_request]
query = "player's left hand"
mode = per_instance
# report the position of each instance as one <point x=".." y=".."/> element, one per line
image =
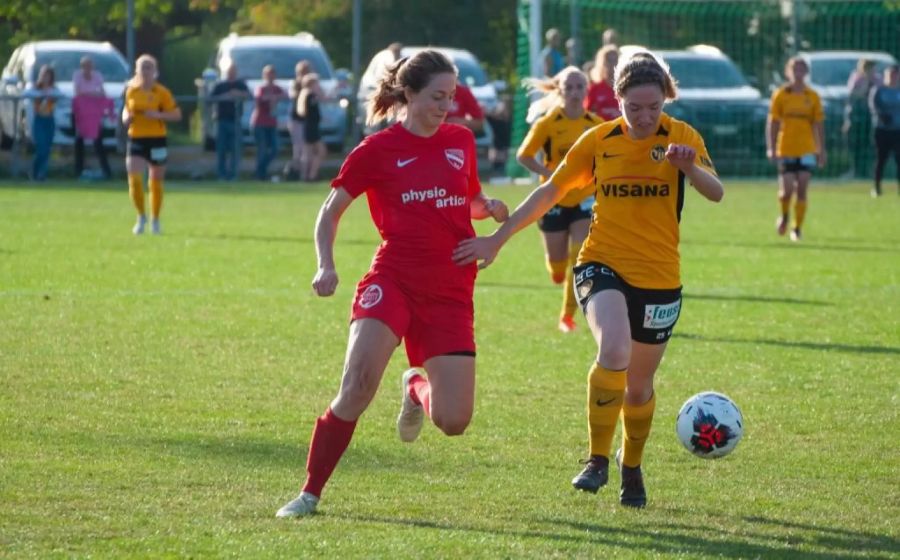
<point x="481" y="250"/>
<point x="821" y="159"/>
<point x="497" y="209"/>
<point x="681" y="156"/>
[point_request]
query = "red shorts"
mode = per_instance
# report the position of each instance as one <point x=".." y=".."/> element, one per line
<point x="431" y="324"/>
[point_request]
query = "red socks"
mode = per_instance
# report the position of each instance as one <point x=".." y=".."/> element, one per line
<point x="330" y="439"/>
<point x="420" y="392"/>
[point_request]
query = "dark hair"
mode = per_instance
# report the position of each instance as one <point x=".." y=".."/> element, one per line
<point x="45" y="73"/>
<point x="641" y="69"/>
<point x="413" y="72"/>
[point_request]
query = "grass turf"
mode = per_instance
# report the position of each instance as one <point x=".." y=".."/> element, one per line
<point x="157" y="393"/>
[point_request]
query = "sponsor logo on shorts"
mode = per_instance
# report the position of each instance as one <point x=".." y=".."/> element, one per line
<point x="661" y="316"/>
<point x="371" y="296"/>
<point x="455" y="157"/>
<point x="585" y="288"/>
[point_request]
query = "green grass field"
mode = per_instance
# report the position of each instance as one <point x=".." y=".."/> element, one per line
<point x="157" y="393"/>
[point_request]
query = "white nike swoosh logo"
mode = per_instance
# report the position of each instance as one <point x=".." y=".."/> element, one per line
<point x="405" y="162"/>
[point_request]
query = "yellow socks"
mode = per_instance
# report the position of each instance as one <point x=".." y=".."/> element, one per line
<point x="606" y="389"/>
<point x="156" y="197"/>
<point x="785" y="205"/>
<point x="636" y="421"/>
<point x="799" y="213"/>
<point x="557" y="270"/>
<point x="136" y="191"/>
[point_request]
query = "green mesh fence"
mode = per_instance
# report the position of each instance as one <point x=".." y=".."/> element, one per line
<point x="725" y="87"/>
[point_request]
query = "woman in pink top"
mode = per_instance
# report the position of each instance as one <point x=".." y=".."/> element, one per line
<point x="88" y="84"/>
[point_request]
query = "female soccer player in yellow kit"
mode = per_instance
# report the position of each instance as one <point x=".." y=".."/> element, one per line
<point x="795" y="139"/>
<point x="628" y="275"/>
<point x="566" y="225"/>
<point x="148" y="107"/>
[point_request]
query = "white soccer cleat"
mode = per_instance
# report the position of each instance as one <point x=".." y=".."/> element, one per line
<point x="301" y="506"/>
<point x="140" y="225"/>
<point x="412" y="415"/>
<point x="155" y="226"/>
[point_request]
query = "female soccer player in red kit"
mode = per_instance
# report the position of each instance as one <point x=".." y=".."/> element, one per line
<point x="420" y="177"/>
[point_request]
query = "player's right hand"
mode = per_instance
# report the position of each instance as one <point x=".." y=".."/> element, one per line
<point x="481" y="250"/>
<point x="325" y="282"/>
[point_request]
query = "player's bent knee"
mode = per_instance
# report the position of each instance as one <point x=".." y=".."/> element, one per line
<point x="615" y="356"/>
<point x="450" y="425"/>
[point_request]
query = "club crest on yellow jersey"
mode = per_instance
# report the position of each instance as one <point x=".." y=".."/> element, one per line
<point x="658" y="153"/>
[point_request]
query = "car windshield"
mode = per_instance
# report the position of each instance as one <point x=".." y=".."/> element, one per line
<point x="251" y="60"/>
<point x="65" y="63"/>
<point x="470" y="73"/>
<point x="836" y="71"/>
<point x="705" y="73"/>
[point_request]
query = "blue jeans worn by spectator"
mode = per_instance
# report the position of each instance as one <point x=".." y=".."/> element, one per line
<point x="227" y="150"/>
<point x="266" y="149"/>
<point x="42" y="131"/>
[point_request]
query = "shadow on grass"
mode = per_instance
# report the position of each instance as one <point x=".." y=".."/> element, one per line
<point x="653" y="537"/>
<point x="756" y="299"/>
<point x="850" y="348"/>
<point x="810" y="245"/>
<point x="280" y="239"/>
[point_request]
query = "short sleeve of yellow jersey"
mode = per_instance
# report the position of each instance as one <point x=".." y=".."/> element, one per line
<point x="577" y="169"/>
<point x="166" y="101"/>
<point x="693" y="139"/>
<point x="535" y="139"/>
<point x="776" y="108"/>
<point x="818" y="114"/>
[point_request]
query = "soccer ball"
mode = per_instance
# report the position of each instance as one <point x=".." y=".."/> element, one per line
<point x="709" y="425"/>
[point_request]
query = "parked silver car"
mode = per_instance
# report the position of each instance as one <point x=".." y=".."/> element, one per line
<point x="64" y="56"/>
<point x="470" y="73"/>
<point x="253" y="52"/>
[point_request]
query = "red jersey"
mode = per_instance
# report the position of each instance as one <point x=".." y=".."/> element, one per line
<point x="601" y="100"/>
<point x="419" y="192"/>
<point x="465" y="104"/>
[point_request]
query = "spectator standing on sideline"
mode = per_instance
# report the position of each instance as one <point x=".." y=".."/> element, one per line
<point x="857" y="126"/>
<point x="308" y="106"/>
<point x="264" y="121"/>
<point x="500" y="119"/>
<point x="885" y="105"/>
<point x="552" y="59"/>
<point x="89" y="97"/>
<point x="229" y="95"/>
<point x="465" y="110"/>
<point x="294" y="168"/>
<point x="44" y="95"/>
<point x="601" y="97"/>
<point x="610" y="37"/>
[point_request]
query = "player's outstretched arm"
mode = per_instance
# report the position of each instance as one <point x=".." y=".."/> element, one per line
<point x="483" y="207"/>
<point x="484" y="249"/>
<point x="326" y="278"/>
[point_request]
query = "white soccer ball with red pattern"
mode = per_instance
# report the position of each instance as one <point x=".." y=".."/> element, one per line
<point x="709" y="425"/>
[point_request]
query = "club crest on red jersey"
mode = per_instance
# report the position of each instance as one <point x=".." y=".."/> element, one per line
<point x="455" y="157"/>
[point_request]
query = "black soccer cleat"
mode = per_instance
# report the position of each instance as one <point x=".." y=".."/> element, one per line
<point x="594" y="476"/>
<point x="633" y="493"/>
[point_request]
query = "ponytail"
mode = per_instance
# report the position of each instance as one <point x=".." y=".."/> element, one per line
<point x="413" y="72"/>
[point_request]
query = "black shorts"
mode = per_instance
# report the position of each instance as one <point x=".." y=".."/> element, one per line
<point x="797" y="164"/>
<point x="652" y="314"/>
<point x="559" y="218"/>
<point x="153" y="150"/>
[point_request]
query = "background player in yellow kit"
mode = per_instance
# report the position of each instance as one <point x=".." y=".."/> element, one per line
<point x="564" y="226"/>
<point x="628" y="276"/>
<point x="795" y="140"/>
<point x="148" y="107"/>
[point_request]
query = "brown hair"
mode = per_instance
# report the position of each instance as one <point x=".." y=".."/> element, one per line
<point x="414" y="73"/>
<point x="600" y="62"/>
<point x="46" y="77"/>
<point x="643" y="68"/>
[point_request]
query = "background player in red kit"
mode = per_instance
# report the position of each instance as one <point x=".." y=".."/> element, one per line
<point x="420" y="177"/>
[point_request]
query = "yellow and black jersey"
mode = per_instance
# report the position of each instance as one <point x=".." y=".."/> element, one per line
<point x="138" y="100"/>
<point x="797" y="112"/>
<point x="639" y="196"/>
<point x="555" y="133"/>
